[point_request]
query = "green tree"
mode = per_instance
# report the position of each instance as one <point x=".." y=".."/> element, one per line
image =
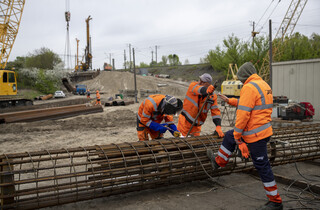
<point x="18" y="63"/>
<point x="45" y="84"/>
<point x="174" y="60"/>
<point x="231" y="52"/>
<point x="143" y="65"/>
<point x="164" y="60"/>
<point x="42" y="58"/>
<point x="315" y="45"/>
<point x="296" y="47"/>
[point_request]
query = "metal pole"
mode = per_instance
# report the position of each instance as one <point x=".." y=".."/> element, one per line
<point x="130" y="56"/>
<point x="135" y="77"/>
<point x="125" y="60"/>
<point x="270" y="51"/>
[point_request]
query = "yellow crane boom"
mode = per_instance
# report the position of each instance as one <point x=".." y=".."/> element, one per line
<point x="10" y="17"/>
<point x="286" y="29"/>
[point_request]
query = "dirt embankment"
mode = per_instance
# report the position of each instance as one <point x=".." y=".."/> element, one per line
<point x="188" y="72"/>
<point x="110" y="82"/>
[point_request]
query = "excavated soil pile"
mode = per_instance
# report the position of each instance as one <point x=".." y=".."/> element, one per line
<point x="110" y="82"/>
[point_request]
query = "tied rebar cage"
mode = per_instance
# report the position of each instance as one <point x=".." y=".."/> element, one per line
<point x="47" y="178"/>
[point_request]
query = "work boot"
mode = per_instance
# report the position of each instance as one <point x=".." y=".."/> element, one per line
<point x="212" y="159"/>
<point x="271" y="206"/>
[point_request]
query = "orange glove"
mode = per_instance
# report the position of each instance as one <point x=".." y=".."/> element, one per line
<point x="244" y="150"/>
<point x="219" y="131"/>
<point x="210" y="90"/>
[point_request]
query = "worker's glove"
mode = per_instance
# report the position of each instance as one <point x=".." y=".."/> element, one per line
<point x="210" y="90"/>
<point x="243" y="148"/>
<point x="219" y="131"/>
<point x="157" y="127"/>
<point x="174" y="131"/>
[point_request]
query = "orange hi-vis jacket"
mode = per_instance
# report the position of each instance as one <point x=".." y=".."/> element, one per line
<point x="254" y="110"/>
<point x="193" y="103"/>
<point x="98" y="95"/>
<point x="150" y="110"/>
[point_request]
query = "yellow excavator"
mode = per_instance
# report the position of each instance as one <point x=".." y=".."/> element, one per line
<point x="10" y="17"/>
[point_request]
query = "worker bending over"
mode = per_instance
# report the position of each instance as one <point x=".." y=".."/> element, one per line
<point x="98" y="98"/>
<point x="252" y="128"/>
<point x="152" y="111"/>
<point x="195" y="97"/>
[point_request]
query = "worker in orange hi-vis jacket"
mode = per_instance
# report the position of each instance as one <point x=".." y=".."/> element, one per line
<point x="98" y="98"/>
<point x="152" y="112"/>
<point x="252" y="131"/>
<point x="195" y="97"/>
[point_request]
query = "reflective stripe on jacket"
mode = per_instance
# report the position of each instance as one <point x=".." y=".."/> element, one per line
<point x="254" y="110"/>
<point x="193" y="103"/>
<point x="150" y="110"/>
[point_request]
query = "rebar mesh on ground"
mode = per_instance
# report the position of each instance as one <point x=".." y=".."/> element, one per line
<point x="53" y="177"/>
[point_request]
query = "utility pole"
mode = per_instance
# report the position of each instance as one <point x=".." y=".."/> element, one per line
<point x="77" y="59"/>
<point x="253" y="34"/>
<point x="270" y="51"/>
<point x="113" y="68"/>
<point x="156" y="54"/>
<point x="151" y="57"/>
<point x="135" y="77"/>
<point x="110" y="58"/>
<point x="125" y="59"/>
<point x="130" y="56"/>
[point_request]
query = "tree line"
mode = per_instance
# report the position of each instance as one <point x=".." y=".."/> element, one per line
<point x="235" y="51"/>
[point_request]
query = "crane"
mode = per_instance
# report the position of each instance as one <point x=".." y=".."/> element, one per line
<point x="10" y="17"/>
<point x="285" y="30"/>
<point x="87" y="54"/>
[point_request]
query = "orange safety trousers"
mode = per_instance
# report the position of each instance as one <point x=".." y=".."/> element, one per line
<point x="98" y="102"/>
<point x="259" y="157"/>
<point x="145" y="132"/>
<point x="184" y="127"/>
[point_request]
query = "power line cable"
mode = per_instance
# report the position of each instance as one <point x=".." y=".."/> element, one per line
<point x="264" y="12"/>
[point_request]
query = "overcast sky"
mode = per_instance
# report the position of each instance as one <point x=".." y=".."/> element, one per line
<point x="188" y="28"/>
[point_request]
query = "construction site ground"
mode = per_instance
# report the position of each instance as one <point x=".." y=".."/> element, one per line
<point x="118" y="124"/>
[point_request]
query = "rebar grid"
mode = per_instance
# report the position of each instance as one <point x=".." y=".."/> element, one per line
<point x="47" y="178"/>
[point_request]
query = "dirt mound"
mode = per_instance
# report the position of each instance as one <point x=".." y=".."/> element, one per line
<point x="110" y="82"/>
<point x="188" y="72"/>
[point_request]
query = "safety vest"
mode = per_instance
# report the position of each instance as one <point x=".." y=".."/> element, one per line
<point x="193" y="103"/>
<point x="254" y="110"/>
<point x="150" y="110"/>
<point x="98" y="95"/>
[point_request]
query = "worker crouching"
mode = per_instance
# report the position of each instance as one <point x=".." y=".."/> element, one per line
<point x="252" y="131"/>
<point x="152" y="112"/>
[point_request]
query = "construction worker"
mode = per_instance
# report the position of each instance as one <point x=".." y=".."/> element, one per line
<point x="152" y="111"/>
<point x="195" y="97"/>
<point x="252" y="130"/>
<point x="98" y="98"/>
<point x="88" y="94"/>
